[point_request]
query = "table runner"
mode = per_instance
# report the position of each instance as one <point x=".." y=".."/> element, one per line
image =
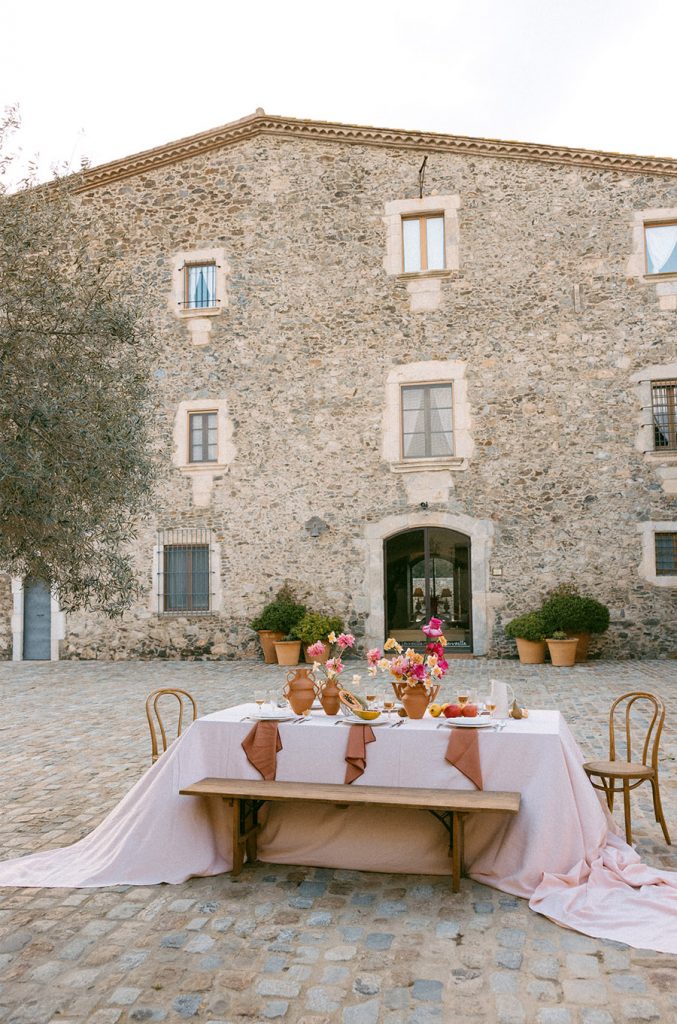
<point x="560" y="852"/>
<point x="356" y="751"/>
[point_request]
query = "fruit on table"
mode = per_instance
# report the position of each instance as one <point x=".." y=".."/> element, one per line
<point x="470" y="711"/>
<point x="452" y="711"/>
<point x="435" y="710"/>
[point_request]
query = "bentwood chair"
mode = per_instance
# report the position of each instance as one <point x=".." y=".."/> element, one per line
<point x="155" y="721"/>
<point x="631" y="774"/>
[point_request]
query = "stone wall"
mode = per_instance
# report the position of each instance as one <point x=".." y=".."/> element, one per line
<point x="301" y="353"/>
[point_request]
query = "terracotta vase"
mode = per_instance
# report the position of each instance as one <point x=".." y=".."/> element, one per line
<point x="582" y="646"/>
<point x="288" y="652"/>
<point x="300" y="690"/>
<point x="531" y="652"/>
<point x="415" y="698"/>
<point x="267" y="638"/>
<point x="329" y="696"/>
<point x="322" y="657"/>
<point x="563" y="652"/>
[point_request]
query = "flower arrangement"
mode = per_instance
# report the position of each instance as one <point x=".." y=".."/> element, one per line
<point x="334" y="666"/>
<point x="409" y="666"/>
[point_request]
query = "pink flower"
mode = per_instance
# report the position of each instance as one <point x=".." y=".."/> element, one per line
<point x="443" y="664"/>
<point x="417" y="672"/>
<point x="435" y="648"/>
<point x="433" y="627"/>
<point x="346" y="640"/>
<point x="373" y="656"/>
<point x="335" y="665"/>
<point x="316" y="650"/>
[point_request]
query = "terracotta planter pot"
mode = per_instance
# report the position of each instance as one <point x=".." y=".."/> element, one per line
<point x="300" y="690"/>
<point x="414" y="698"/>
<point x="563" y="652"/>
<point x="583" y="644"/>
<point x="267" y="638"/>
<point x="288" y="652"/>
<point x="531" y="652"/>
<point x="322" y="658"/>
<point x="329" y="696"/>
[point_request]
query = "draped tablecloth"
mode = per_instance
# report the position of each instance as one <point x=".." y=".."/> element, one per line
<point x="562" y="851"/>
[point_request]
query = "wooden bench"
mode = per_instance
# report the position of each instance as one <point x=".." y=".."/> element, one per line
<point x="449" y="806"/>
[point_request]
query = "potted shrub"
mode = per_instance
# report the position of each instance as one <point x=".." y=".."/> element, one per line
<point x="313" y="627"/>
<point x="562" y="649"/>
<point x="528" y="631"/>
<point x="288" y="650"/>
<point x="276" y="621"/>
<point x="576" y="616"/>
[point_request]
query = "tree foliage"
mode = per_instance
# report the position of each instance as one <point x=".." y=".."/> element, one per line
<point x="76" y="463"/>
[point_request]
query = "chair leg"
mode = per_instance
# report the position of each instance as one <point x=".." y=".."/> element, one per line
<point x="626" y="805"/>
<point x="658" y="809"/>
<point x="610" y="795"/>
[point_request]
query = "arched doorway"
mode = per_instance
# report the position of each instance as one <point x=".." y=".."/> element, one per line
<point x="426" y="573"/>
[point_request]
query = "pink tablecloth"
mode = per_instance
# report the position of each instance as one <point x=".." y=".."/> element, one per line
<point x="560" y="851"/>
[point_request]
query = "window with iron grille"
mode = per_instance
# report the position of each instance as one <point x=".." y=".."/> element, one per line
<point x="666" y="554"/>
<point x="423" y="243"/>
<point x="660" y="242"/>
<point x="427" y="421"/>
<point x="199" y="286"/>
<point x="203" y="437"/>
<point x="184" y="571"/>
<point x="664" y="403"/>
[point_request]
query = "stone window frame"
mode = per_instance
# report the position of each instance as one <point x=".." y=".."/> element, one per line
<point x="189" y="535"/>
<point x="423" y="286"/>
<point x="663" y="461"/>
<point x="198" y="320"/>
<point x="450" y="371"/>
<point x="203" y="474"/>
<point x="665" y="284"/>
<point x="647" y="565"/>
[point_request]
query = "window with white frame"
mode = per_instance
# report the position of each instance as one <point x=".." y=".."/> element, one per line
<point x="199" y="285"/>
<point x="665" y="545"/>
<point x="660" y="246"/>
<point x="664" y="408"/>
<point x="423" y="243"/>
<point x="203" y="437"/>
<point x="184" y="571"/>
<point x="427" y="421"/>
<point x="658" y="565"/>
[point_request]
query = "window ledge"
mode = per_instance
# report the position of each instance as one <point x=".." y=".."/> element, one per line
<point x="668" y="457"/>
<point x="187" y="615"/>
<point x="203" y="467"/>
<point x="450" y="463"/>
<point x="186" y="314"/>
<point x="416" y="275"/>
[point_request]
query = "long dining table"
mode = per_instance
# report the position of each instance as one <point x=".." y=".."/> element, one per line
<point x="561" y="851"/>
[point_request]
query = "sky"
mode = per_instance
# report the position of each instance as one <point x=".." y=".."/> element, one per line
<point x="102" y="81"/>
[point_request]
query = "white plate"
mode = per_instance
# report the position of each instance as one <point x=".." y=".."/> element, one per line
<point x="361" y="721"/>
<point x="277" y="716"/>
<point x="471" y="723"/>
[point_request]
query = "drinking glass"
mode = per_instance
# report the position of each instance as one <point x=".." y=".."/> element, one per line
<point x="489" y="703"/>
<point x="388" y="705"/>
<point x="260" y="699"/>
<point x="463" y="695"/>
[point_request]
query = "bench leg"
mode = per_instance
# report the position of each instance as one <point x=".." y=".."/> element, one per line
<point x="238" y="852"/>
<point x="456" y="851"/>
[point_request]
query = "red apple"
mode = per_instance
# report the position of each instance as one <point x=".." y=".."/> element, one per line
<point x="452" y="711"/>
<point x="470" y="711"/>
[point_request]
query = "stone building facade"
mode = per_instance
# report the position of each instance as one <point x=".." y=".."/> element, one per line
<point x="402" y="399"/>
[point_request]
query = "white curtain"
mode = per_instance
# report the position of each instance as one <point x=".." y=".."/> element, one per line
<point x="660" y="244"/>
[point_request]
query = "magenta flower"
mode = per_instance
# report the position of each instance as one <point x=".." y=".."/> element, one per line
<point x="335" y="665"/>
<point x="417" y="671"/>
<point x="316" y="650"/>
<point x="373" y="656"/>
<point x="433" y="628"/>
<point x="443" y="664"/>
<point x="346" y="640"/>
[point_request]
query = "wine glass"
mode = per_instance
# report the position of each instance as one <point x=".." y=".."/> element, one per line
<point x="388" y="704"/>
<point x="260" y="700"/>
<point x="463" y="696"/>
<point x="489" y="703"/>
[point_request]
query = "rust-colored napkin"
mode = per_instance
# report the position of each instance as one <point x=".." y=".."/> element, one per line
<point x="261" y="745"/>
<point x="356" y="751"/>
<point x="464" y="753"/>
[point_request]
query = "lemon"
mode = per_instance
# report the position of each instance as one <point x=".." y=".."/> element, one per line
<point x="435" y="710"/>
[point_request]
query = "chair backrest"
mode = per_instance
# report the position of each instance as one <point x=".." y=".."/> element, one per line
<point x="655" y="707"/>
<point x="185" y="699"/>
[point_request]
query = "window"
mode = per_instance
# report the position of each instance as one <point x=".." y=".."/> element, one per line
<point x="666" y="554"/>
<point x="203" y="434"/>
<point x="427" y="427"/>
<point x="199" y="283"/>
<point x="423" y="243"/>
<point x="660" y="242"/>
<point x="664" y="405"/>
<point x="184" y="583"/>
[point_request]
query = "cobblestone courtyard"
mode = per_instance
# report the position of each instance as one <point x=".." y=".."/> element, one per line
<point x="299" y="945"/>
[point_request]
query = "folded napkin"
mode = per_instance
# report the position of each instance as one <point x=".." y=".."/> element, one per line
<point x="261" y="745"/>
<point x="464" y="753"/>
<point x="356" y="751"/>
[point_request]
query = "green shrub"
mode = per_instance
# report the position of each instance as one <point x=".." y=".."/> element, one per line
<point x="315" y="626"/>
<point x="559" y="634"/>
<point x="527" y="627"/>
<point x="282" y="614"/>
<point x="567" y="610"/>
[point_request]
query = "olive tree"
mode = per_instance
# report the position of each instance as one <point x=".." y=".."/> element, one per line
<point x="76" y="450"/>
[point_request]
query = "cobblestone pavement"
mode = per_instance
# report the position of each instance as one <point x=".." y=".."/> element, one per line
<point x="300" y="945"/>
